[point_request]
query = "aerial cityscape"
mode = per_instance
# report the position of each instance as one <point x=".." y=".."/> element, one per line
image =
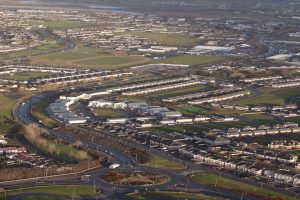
<point x="139" y="99"/>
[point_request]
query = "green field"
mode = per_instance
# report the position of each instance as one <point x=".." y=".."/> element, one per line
<point x="36" y="50"/>
<point x="260" y="118"/>
<point x="198" y="127"/>
<point x="177" y="92"/>
<point x="25" y="76"/>
<point x="270" y="97"/>
<point x="171" y="195"/>
<point x="39" y="113"/>
<point x="90" y="58"/>
<point x="59" y="150"/>
<point x="179" y="40"/>
<point x="191" y="110"/>
<point x="159" y="162"/>
<point x="190" y="60"/>
<point x="68" y="190"/>
<point x="228" y="184"/>
<point x="112" y="61"/>
<point x="109" y="113"/>
<point x="6" y="105"/>
<point x="62" y="24"/>
<point x="41" y="197"/>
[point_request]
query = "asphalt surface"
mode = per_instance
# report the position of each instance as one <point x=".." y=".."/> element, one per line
<point x="177" y="182"/>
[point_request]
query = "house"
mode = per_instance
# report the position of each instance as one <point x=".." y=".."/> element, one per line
<point x="290" y="124"/>
<point x="167" y="121"/>
<point x="216" y="140"/>
<point x="249" y="128"/>
<point x="117" y="121"/>
<point x="171" y="114"/>
<point x="184" y="120"/>
<point x="11" y="150"/>
<point x="2" y="140"/>
<point x="201" y="119"/>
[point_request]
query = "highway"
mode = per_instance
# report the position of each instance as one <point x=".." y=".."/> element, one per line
<point x="22" y="114"/>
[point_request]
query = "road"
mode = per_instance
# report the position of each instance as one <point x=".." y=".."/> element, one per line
<point x="22" y="115"/>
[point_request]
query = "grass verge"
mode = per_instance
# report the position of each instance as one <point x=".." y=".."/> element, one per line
<point x="159" y="162"/>
<point x="228" y="184"/>
<point x="170" y="195"/>
<point x="68" y="190"/>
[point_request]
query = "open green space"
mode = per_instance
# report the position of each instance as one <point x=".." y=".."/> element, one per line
<point x="35" y="50"/>
<point x="41" y="197"/>
<point x="191" y="110"/>
<point x="61" y="24"/>
<point x="39" y="113"/>
<point x="179" y="40"/>
<point x="68" y="190"/>
<point x="110" y="113"/>
<point x="25" y="76"/>
<point x="260" y="118"/>
<point x="198" y="127"/>
<point x="113" y="61"/>
<point x="190" y="60"/>
<point x="292" y="119"/>
<point x="272" y="97"/>
<point x="178" y="92"/>
<point x="159" y="162"/>
<point x="297" y="39"/>
<point x="68" y="152"/>
<point x="228" y="184"/>
<point x="171" y="195"/>
<point x="6" y="106"/>
<point x="90" y="58"/>
<point x="52" y="146"/>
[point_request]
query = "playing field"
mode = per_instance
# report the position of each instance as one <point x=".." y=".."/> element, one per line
<point x="110" y="113"/>
<point x="90" y="58"/>
<point x="179" y="40"/>
<point x="190" y="60"/>
<point x="191" y="110"/>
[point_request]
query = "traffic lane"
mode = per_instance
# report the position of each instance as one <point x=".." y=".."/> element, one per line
<point x="22" y="112"/>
